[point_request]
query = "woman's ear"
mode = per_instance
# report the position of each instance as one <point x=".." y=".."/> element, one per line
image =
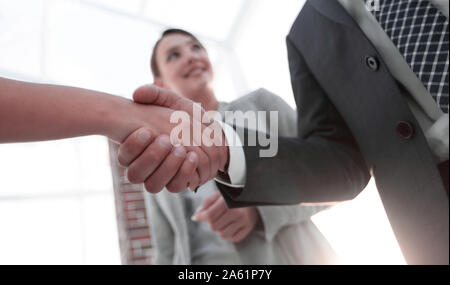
<point x="159" y="82"/>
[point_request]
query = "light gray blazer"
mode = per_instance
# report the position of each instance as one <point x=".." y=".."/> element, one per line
<point x="285" y="235"/>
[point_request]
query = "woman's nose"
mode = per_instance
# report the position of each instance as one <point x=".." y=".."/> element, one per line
<point x="192" y="56"/>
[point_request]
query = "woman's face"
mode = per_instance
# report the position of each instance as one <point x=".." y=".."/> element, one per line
<point x="184" y="66"/>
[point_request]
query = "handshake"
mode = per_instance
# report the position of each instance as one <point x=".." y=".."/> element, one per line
<point x="156" y="155"/>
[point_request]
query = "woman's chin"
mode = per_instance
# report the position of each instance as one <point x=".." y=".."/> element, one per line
<point x="197" y="93"/>
<point x="200" y="84"/>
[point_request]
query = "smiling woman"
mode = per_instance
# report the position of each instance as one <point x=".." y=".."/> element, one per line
<point x="199" y="228"/>
<point x="180" y="62"/>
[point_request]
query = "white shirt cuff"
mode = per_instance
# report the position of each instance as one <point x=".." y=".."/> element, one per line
<point x="437" y="137"/>
<point x="236" y="166"/>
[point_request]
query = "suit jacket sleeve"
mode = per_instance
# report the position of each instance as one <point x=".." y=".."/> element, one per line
<point x="275" y="218"/>
<point x="322" y="164"/>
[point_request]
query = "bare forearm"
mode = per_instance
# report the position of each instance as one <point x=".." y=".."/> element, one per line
<point x="31" y="112"/>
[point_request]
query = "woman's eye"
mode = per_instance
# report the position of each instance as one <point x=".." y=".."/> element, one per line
<point x="172" y="56"/>
<point x="196" y="47"/>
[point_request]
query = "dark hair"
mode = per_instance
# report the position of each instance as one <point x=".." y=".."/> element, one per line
<point x="153" y="65"/>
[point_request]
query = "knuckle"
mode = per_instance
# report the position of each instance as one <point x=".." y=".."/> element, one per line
<point x="122" y="157"/>
<point x="150" y="187"/>
<point x="122" y="162"/>
<point x="174" y="188"/>
<point x="133" y="176"/>
<point x="130" y="145"/>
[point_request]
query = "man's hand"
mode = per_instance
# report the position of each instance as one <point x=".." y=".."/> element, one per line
<point x="151" y="152"/>
<point x="231" y="224"/>
<point x="149" y="161"/>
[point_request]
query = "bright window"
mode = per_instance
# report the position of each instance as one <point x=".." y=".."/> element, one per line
<point x="56" y="198"/>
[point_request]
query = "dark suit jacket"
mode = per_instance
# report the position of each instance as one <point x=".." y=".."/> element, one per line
<point x="349" y="115"/>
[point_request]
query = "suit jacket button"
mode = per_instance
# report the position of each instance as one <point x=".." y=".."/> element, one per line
<point x="372" y="63"/>
<point x="405" y="130"/>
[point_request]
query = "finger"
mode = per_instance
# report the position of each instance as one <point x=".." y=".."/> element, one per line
<point x="181" y="179"/>
<point x="214" y="145"/>
<point x="209" y="161"/>
<point x="143" y="166"/>
<point x="208" y="202"/>
<point x="212" y="158"/>
<point x="239" y="235"/>
<point x="134" y="145"/>
<point x="215" y="211"/>
<point x="224" y="221"/>
<point x="203" y="166"/>
<point x="229" y="231"/>
<point x="221" y="145"/>
<point x="194" y="183"/>
<point x="214" y="163"/>
<point x="166" y="171"/>
<point x="152" y="94"/>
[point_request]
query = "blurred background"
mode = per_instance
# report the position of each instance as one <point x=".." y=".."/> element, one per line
<point x="57" y="204"/>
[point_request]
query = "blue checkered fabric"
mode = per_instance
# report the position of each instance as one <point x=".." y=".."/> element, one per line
<point x="420" y="32"/>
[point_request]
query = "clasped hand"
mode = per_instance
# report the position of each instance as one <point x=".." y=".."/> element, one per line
<point x="230" y="224"/>
<point x="154" y="158"/>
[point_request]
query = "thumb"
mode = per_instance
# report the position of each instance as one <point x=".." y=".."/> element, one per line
<point x="152" y="94"/>
<point x="208" y="202"/>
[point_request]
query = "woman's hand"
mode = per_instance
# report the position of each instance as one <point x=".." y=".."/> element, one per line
<point x="230" y="224"/>
<point x="148" y="163"/>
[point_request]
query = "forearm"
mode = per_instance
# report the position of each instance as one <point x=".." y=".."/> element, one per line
<point x="308" y="171"/>
<point x="32" y="112"/>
